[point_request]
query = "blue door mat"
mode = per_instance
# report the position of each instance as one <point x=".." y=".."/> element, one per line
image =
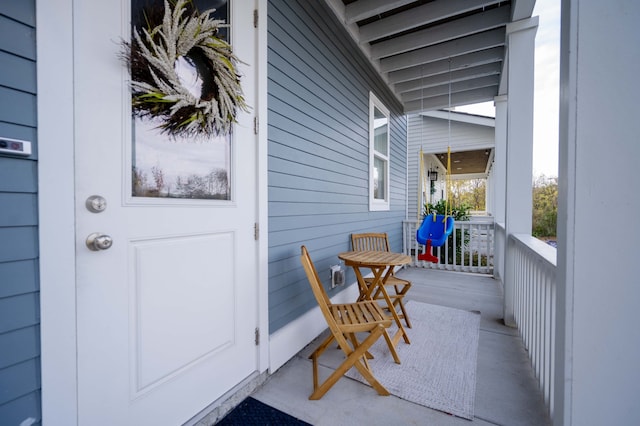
<point x="252" y="412"/>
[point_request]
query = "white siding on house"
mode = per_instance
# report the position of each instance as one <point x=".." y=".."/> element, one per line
<point x="432" y="135"/>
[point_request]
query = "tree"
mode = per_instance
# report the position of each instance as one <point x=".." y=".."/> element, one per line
<point x="545" y="207"/>
<point x="192" y="186"/>
<point x="158" y="178"/>
<point x="214" y="185"/>
<point x="469" y="192"/>
<point x="138" y="181"/>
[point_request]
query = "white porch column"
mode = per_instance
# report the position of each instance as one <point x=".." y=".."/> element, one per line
<point x="521" y="47"/>
<point x="500" y="182"/>
<point x="597" y="373"/>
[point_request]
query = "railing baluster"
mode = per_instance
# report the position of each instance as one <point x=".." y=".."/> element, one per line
<point x="480" y="246"/>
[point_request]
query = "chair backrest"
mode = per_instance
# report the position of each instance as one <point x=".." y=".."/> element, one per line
<point x="318" y="290"/>
<point x="372" y="241"/>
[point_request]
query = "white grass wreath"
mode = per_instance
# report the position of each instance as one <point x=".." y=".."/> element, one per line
<point x="157" y="91"/>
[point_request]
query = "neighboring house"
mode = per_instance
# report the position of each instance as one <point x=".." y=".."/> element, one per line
<point x="471" y="139"/>
<point x="198" y="298"/>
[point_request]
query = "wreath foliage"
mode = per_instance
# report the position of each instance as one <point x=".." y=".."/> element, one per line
<point x="180" y="31"/>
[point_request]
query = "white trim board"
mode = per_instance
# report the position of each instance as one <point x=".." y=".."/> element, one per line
<point x="56" y="201"/>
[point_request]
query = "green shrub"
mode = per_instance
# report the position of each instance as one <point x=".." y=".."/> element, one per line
<point x="460" y="212"/>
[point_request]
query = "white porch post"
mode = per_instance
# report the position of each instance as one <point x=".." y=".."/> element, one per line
<point x="521" y="46"/>
<point x="488" y="194"/>
<point x="500" y="179"/>
<point x="597" y="378"/>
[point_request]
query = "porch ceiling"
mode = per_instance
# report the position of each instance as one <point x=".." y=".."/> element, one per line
<point x="424" y="48"/>
<point x="467" y="162"/>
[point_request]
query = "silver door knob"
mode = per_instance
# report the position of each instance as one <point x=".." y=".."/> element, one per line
<point x="98" y="241"/>
<point x="96" y="204"/>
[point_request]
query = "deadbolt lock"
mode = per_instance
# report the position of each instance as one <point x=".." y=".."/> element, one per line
<point x="96" y="204"/>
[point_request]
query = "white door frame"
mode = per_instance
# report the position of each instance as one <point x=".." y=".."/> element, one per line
<point x="56" y="199"/>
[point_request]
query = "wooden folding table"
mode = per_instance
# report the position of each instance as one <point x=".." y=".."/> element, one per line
<point x="381" y="264"/>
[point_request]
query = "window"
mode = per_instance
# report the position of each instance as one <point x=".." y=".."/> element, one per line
<point x="180" y="167"/>
<point x="378" y="154"/>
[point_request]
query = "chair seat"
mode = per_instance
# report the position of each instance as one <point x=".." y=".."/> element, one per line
<point x="359" y="316"/>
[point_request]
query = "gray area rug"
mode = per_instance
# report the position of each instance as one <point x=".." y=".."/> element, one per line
<point x="438" y="368"/>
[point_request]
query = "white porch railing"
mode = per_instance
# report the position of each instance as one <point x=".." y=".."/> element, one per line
<point x="472" y="240"/>
<point x="532" y="266"/>
<point x="522" y="262"/>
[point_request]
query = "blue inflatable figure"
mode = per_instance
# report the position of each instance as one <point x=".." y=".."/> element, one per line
<point x="433" y="232"/>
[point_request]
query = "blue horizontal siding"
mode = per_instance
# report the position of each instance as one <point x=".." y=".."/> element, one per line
<point x="21" y="409"/>
<point x="19" y="73"/>
<point x="18" y="209"/>
<point x="17" y="37"/>
<point x="25" y="343"/>
<point x="19" y="311"/>
<point x="17" y="107"/>
<point x="22" y="379"/>
<point x="18" y="243"/>
<point x="23" y="11"/>
<point x="18" y="277"/>
<point x="19" y="285"/>
<point x="18" y="175"/>
<point x="318" y="153"/>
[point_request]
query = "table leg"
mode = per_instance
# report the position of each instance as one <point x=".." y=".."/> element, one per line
<point x="377" y="277"/>
<point x="362" y="285"/>
<point x="372" y="291"/>
<point x="401" y="331"/>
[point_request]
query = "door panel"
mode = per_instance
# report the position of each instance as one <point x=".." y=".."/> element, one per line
<point x="159" y="322"/>
<point x="166" y="315"/>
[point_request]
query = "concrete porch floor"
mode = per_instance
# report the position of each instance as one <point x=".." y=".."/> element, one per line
<point x="506" y="390"/>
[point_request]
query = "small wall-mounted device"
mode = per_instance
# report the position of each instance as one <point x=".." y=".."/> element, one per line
<point x="337" y="275"/>
<point x="15" y="147"/>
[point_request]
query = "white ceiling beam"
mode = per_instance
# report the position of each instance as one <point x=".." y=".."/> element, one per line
<point x="447" y="49"/>
<point x="419" y="16"/>
<point x="495" y="54"/>
<point x="445" y="78"/>
<point x="363" y="9"/>
<point x="458" y="86"/>
<point x="473" y="24"/>
<point x="521" y="9"/>
<point x="463" y="117"/>
<point x="484" y="94"/>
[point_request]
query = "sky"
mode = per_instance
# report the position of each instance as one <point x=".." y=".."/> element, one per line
<point x="546" y="95"/>
<point x="178" y="157"/>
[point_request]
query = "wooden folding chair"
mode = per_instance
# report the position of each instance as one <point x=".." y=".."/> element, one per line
<point x="344" y="321"/>
<point x="380" y="242"/>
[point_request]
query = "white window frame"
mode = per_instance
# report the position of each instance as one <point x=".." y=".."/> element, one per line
<point x="377" y="204"/>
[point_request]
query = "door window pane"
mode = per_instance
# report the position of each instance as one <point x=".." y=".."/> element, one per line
<point x="180" y="167"/>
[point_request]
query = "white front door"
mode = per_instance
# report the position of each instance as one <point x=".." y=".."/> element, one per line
<point x="166" y="316"/>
